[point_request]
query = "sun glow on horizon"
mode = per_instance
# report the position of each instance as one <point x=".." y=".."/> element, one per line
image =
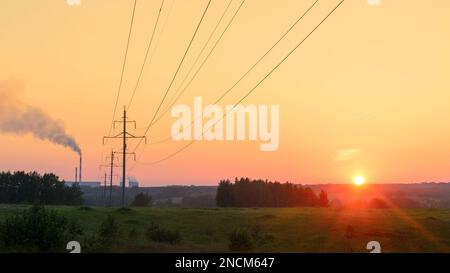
<point x="359" y="180"/>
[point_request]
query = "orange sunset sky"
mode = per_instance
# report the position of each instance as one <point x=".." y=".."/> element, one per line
<point x="367" y="94"/>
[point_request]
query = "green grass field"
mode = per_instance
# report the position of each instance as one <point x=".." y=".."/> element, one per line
<point x="280" y="230"/>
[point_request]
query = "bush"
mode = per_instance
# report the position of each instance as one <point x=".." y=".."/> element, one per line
<point x="75" y="228"/>
<point x="256" y="232"/>
<point x="158" y="234"/>
<point x="38" y="229"/>
<point x="123" y="210"/>
<point x="142" y="200"/>
<point x="241" y="240"/>
<point x="108" y="231"/>
<point x="133" y="234"/>
<point x="91" y="243"/>
<point x="259" y="237"/>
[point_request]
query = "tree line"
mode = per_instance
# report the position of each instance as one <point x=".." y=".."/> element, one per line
<point x="263" y="193"/>
<point x="33" y="188"/>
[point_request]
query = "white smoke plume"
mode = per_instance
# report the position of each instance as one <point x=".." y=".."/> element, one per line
<point x="17" y="117"/>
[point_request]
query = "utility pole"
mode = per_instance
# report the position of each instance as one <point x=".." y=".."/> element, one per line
<point x="124" y="135"/>
<point x="111" y="165"/>
<point x="111" y="177"/>
<point x="104" y="192"/>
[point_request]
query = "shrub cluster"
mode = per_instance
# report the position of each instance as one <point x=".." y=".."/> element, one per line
<point x="38" y="229"/>
<point x="159" y="234"/>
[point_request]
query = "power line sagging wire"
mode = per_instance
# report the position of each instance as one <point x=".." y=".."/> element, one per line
<point x="121" y="75"/>
<point x="249" y="70"/>
<point x="176" y="72"/>
<point x="197" y="71"/>
<point x="123" y="67"/>
<point x="252" y="89"/>
<point x="198" y="58"/>
<point x="172" y="102"/>
<point x="146" y="55"/>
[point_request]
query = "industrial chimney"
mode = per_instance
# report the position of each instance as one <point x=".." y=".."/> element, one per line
<point x="76" y="174"/>
<point x="80" y="171"/>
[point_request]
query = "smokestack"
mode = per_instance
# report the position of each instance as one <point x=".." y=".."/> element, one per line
<point x="80" y="172"/>
<point x="76" y="174"/>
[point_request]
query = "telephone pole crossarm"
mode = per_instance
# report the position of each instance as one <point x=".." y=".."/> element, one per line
<point x="124" y="135"/>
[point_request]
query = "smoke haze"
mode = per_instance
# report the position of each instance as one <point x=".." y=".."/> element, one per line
<point x="17" y="117"/>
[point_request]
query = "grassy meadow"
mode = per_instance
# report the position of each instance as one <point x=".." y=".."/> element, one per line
<point x="274" y="229"/>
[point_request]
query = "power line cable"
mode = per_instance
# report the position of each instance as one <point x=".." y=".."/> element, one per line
<point x="197" y="71"/>
<point x="250" y="69"/>
<point x="146" y="56"/>
<point x="122" y="73"/>
<point x="198" y="56"/>
<point x="251" y="90"/>
<point x="158" y="39"/>
<point x="199" y="68"/>
<point x="178" y="69"/>
<point x="123" y="67"/>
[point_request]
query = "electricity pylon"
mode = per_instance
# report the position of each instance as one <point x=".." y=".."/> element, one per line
<point x="111" y="165"/>
<point x="124" y="135"/>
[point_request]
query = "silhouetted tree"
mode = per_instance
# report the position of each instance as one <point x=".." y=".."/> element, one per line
<point x="259" y="193"/>
<point x="323" y="199"/>
<point x="142" y="200"/>
<point x="224" y="197"/>
<point x="32" y="188"/>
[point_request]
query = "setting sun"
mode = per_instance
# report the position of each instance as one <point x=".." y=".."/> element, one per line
<point x="358" y="180"/>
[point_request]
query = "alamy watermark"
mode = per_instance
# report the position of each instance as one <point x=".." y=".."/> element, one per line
<point x="374" y="2"/>
<point x="73" y="2"/>
<point x="233" y="123"/>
